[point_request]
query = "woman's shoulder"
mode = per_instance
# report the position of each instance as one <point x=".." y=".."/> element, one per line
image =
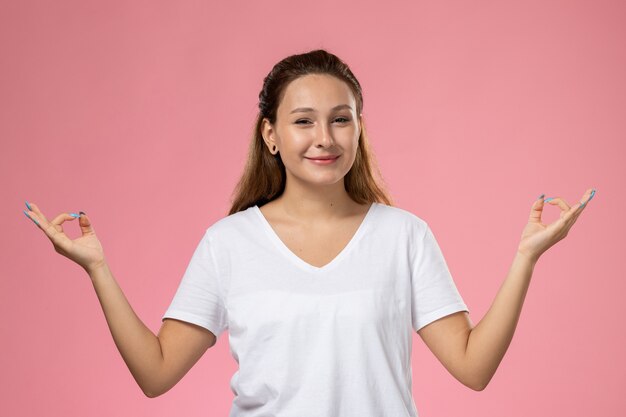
<point x="232" y="224"/>
<point x="401" y="216"/>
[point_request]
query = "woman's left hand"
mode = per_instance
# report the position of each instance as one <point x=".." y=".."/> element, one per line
<point x="538" y="237"/>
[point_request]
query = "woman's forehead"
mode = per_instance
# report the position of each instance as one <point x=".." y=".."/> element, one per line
<point x="317" y="92"/>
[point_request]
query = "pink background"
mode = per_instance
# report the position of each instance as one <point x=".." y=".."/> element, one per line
<point x="140" y="114"/>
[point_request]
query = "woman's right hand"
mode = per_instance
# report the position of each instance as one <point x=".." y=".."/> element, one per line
<point x="85" y="250"/>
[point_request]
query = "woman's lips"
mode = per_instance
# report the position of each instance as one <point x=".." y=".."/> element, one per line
<point x="323" y="161"/>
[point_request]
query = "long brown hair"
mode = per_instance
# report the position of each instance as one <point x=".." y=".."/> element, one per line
<point x="264" y="177"/>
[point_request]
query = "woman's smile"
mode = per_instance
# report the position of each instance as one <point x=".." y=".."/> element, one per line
<point x="323" y="161"/>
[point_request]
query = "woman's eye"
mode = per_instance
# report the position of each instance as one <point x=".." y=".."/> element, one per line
<point x="341" y="120"/>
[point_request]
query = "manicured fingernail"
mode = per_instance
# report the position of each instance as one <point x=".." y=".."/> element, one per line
<point x="28" y="205"/>
<point x="82" y="212"/>
<point x="541" y="196"/>
<point x="30" y="217"/>
<point x="548" y="199"/>
<point x="75" y="215"/>
<point x="593" y="192"/>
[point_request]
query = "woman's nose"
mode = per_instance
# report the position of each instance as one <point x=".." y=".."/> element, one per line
<point x="324" y="136"/>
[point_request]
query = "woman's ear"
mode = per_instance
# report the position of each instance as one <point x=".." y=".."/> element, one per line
<point x="267" y="131"/>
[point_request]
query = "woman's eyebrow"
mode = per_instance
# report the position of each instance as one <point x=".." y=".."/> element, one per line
<point x="309" y="109"/>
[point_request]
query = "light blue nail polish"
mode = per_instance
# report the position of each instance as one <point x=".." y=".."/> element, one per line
<point x="28" y="205"/>
<point x="593" y="192"/>
<point x="30" y="217"/>
<point x="75" y="215"/>
<point x="548" y="199"/>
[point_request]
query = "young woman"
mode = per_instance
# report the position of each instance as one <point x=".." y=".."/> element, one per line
<point x="319" y="279"/>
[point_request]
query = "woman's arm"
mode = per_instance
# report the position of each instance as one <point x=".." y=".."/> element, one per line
<point x="472" y="354"/>
<point x="138" y="345"/>
<point x="156" y="362"/>
<point x="489" y="340"/>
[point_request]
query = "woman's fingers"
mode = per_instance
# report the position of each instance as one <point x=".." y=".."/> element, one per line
<point x="582" y="204"/>
<point x="565" y="207"/>
<point x="35" y="213"/>
<point x="53" y="229"/>
<point x="38" y="217"/>
<point x="558" y="201"/>
<point x="85" y="250"/>
<point x="536" y="209"/>
<point x="587" y="196"/>
<point x="58" y="220"/>
<point x="59" y="238"/>
<point x="570" y="214"/>
<point x="85" y="224"/>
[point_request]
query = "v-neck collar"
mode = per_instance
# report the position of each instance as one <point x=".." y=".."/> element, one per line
<point x="299" y="261"/>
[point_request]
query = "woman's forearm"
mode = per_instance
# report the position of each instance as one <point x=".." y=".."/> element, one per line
<point x="490" y="338"/>
<point x="138" y="345"/>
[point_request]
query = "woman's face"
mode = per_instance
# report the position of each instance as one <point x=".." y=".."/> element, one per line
<point x="316" y="117"/>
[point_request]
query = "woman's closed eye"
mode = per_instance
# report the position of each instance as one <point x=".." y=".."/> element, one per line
<point x="341" y="119"/>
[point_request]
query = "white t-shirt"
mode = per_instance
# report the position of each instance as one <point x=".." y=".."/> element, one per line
<point x="332" y="341"/>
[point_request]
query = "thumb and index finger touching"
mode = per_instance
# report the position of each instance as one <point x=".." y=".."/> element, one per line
<point x="51" y="228"/>
<point x="576" y="209"/>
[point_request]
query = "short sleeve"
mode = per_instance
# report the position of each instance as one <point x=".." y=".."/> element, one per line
<point x="434" y="293"/>
<point x="198" y="299"/>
